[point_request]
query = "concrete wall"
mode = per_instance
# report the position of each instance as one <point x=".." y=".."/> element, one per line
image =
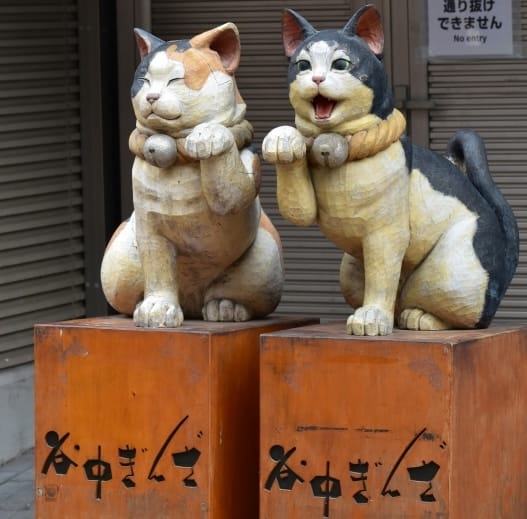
<point x="16" y="411"/>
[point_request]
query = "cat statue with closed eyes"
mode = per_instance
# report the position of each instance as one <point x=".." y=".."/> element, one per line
<point x="429" y="241"/>
<point x="198" y="244"/>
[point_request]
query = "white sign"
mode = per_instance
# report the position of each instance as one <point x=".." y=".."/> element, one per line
<point x="470" y="28"/>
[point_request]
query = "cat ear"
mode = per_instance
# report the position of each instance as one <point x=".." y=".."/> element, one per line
<point x="225" y="40"/>
<point x="295" y="29"/>
<point x="146" y="42"/>
<point x="366" y="23"/>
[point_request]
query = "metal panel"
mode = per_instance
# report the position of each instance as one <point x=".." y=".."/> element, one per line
<point x="312" y="262"/>
<point x="489" y="96"/>
<point x="41" y="223"/>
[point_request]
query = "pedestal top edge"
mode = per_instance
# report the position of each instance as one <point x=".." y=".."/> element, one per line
<point x="337" y="330"/>
<point x="124" y="323"/>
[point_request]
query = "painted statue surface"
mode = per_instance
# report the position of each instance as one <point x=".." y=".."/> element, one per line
<point x="429" y="241"/>
<point x="198" y="243"/>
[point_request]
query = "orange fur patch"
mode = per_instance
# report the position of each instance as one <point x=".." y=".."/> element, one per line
<point x="266" y="224"/>
<point x="198" y="64"/>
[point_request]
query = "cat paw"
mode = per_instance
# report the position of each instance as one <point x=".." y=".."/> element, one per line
<point x="417" y="319"/>
<point x="225" y="310"/>
<point x="283" y="145"/>
<point x="158" y="312"/>
<point x="208" y="140"/>
<point x="160" y="150"/>
<point x="370" y="320"/>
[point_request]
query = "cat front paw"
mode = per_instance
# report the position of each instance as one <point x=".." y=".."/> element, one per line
<point x="158" y="312"/>
<point x="370" y="320"/>
<point x="208" y="140"/>
<point x="283" y="145"/>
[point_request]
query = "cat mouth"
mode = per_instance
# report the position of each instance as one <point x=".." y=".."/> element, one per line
<point x="323" y="107"/>
<point x="153" y="117"/>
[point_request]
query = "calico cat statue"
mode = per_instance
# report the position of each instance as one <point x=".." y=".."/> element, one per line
<point x="426" y="238"/>
<point x="198" y="244"/>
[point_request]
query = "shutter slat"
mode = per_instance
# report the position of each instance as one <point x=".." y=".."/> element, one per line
<point x="41" y="227"/>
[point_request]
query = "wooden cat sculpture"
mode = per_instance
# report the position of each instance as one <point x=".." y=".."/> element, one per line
<point x="426" y="238"/>
<point x="198" y="243"/>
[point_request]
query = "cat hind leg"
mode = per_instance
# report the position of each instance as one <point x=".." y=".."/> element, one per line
<point x="225" y="310"/>
<point x="447" y="290"/>
<point x="251" y="287"/>
<point x="122" y="278"/>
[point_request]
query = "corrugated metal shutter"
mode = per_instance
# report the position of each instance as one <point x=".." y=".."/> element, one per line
<point x="490" y="96"/>
<point x="312" y="262"/>
<point x="41" y="236"/>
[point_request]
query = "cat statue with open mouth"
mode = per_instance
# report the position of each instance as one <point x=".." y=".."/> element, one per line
<point x="429" y="241"/>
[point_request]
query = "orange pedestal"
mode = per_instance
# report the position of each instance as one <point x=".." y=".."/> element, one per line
<point x="421" y="425"/>
<point x="137" y="423"/>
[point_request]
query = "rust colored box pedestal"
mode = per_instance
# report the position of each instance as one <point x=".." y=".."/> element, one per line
<point x="421" y="425"/>
<point x="138" y="423"/>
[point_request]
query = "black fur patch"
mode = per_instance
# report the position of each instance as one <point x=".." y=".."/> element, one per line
<point x="489" y="237"/>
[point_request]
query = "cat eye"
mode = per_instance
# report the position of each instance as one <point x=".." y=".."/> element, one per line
<point x="341" y="64"/>
<point x="303" y="65"/>
<point x="144" y="80"/>
<point x="173" y="80"/>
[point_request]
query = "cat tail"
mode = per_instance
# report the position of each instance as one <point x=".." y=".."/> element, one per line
<point x="467" y="150"/>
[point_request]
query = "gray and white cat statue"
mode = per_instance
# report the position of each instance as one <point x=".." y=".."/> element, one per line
<point x="429" y="241"/>
<point x="198" y="244"/>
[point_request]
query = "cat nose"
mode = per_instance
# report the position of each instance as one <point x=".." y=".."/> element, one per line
<point x="318" y="79"/>
<point x="152" y="98"/>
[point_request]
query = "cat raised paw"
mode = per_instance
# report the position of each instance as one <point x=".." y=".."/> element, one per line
<point x="283" y="145"/>
<point x="208" y="140"/>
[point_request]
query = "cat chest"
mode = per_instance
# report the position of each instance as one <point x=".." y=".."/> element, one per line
<point x="363" y="190"/>
<point x="173" y="191"/>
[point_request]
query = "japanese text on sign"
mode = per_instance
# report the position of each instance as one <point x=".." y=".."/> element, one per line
<point x="470" y="28"/>
<point x="324" y="484"/>
<point x="98" y="467"/>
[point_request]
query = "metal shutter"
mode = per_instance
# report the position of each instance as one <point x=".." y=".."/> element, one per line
<point x="490" y="96"/>
<point x="41" y="232"/>
<point x="312" y="262"/>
